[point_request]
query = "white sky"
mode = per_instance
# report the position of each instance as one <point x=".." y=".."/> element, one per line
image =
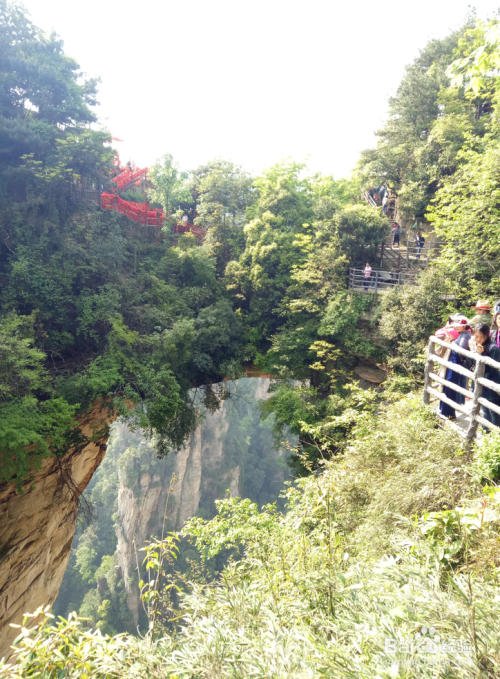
<point x="247" y="81"/>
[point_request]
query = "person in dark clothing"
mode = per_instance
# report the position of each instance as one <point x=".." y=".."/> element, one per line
<point x="394" y="276"/>
<point x="460" y="323"/>
<point x="420" y="242"/>
<point x="482" y="344"/>
<point x="495" y="329"/>
<point x="396" y="232"/>
<point x="451" y="376"/>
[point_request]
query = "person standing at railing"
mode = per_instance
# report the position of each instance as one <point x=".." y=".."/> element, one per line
<point x="450" y="375"/>
<point x="396" y="233"/>
<point x="376" y="280"/>
<point x="419" y="241"/>
<point x="367" y="272"/>
<point x="460" y="323"/>
<point x="481" y="344"/>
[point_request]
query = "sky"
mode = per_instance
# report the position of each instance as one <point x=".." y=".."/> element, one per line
<point x="250" y="82"/>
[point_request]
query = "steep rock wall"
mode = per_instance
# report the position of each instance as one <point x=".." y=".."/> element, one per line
<point x="141" y="508"/>
<point x="37" y="528"/>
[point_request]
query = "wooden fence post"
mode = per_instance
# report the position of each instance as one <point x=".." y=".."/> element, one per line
<point x="429" y="367"/>
<point x="478" y="390"/>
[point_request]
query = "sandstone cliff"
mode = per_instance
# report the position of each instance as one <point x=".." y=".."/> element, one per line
<point x="200" y="472"/>
<point x="37" y="528"/>
<point x="231" y="450"/>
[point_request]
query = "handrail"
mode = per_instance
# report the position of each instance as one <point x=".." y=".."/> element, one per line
<point x="476" y="397"/>
<point x="380" y="279"/>
<point x="143" y="214"/>
<point x="127" y="177"/>
<point x="465" y="352"/>
<point x="369" y="199"/>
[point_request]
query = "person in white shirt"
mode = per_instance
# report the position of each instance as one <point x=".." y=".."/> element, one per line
<point x="368" y="274"/>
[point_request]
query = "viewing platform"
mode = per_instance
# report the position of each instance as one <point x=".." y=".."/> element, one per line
<point x="379" y="280"/>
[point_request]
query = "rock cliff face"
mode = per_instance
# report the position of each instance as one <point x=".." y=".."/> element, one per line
<point x="200" y="475"/>
<point x="37" y="528"/>
<point x="231" y="450"/>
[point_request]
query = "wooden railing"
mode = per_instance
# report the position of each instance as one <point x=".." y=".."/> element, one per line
<point x="473" y="419"/>
<point x="379" y="280"/>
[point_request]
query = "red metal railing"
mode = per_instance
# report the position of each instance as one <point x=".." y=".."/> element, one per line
<point x="139" y="212"/>
<point x="143" y="214"/>
<point x="128" y="177"/>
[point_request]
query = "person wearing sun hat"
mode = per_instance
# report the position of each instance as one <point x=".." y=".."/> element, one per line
<point x="483" y="313"/>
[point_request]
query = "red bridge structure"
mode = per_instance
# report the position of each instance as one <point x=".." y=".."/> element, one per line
<point x="141" y="212"/>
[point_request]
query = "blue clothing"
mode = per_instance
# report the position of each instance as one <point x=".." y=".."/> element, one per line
<point x="463" y="342"/>
<point x="491" y="416"/>
<point x="492" y="374"/>
<point x="457" y="379"/>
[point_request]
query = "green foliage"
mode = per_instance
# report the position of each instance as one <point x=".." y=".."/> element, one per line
<point x="487" y="457"/>
<point x="474" y="68"/>
<point x="31" y="430"/>
<point x="78" y="154"/>
<point x="31" y="426"/>
<point x="384" y="544"/>
<point x="222" y="192"/>
<point x="425" y="130"/>
<point x="65" y="649"/>
<point x="410" y="314"/>
<point x="360" y="229"/>
<point x="340" y="322"/>
<point x="451" y="532"/>
<point x="465" y="211"/>
<point x="21" y="364"/>
<point x="170" y="187"/>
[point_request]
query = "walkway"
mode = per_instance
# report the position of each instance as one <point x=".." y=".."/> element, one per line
<point x="380" y="280"/>
<point x="141" y="213"/>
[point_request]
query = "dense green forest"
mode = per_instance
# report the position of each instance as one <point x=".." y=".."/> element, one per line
<point x="389" y="536"/>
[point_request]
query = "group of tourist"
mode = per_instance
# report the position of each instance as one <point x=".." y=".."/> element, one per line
<point x="380" y="193"/>
<point x="480" y="335"/>
<point x="419" y="239"/>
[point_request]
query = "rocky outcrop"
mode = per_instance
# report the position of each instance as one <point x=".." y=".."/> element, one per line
<point x="369" y="375"/>
<point x="37" y="527"/>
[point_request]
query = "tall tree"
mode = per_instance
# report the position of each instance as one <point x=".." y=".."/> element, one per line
<point x="410" y="152"/>
<point x="222" y="191"/>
